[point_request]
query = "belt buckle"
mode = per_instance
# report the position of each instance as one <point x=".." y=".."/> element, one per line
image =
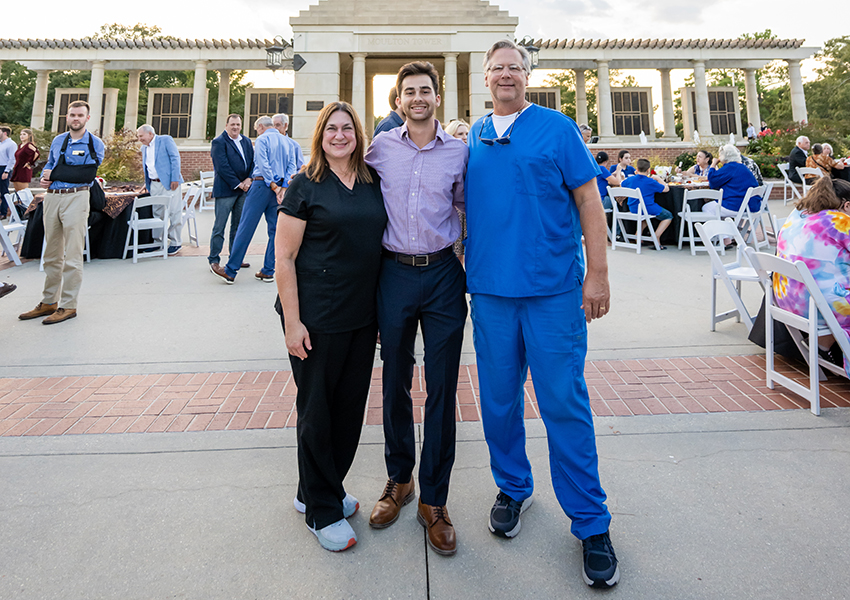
<point x="425" y="260"/>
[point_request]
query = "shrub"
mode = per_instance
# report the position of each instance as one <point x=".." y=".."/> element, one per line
<point x="122" y="160"/>
<point x="768" y="165"/>
<point x="688" y="160"/>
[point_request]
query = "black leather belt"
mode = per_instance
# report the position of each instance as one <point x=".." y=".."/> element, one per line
<point x="72" y="190"/>
<point x="157" y="180"/>
<point x="418" y="260"/>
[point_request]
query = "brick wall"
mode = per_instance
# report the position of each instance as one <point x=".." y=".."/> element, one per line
<point x="194" y="161"/>
<point x="665" y="155"/>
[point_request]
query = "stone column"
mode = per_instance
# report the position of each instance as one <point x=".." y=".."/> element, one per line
<point x="751" y="90"/>
<point x="358" y="84"/>
<point x="606" y="112"/>
<point x="667" y="106"/>
<point x="131" y="108"/>
<point x="369" y="121"/>
<point x="798" y="96"/>
<point x="39" y="103"/>
<point x="96" y="96"/>
<point x="703" y="124"/>
<point x="198" y="127"/>
<point x="450" y="91"/>
<point x="223" y="100"/>
<point x="581" y="96"/>
<point x="479" y="94"/>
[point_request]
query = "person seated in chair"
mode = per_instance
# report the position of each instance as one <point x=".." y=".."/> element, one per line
<point x="701" y="167"/>
<point x="818" y="233"/>
<point x="797" y="158"/>
<point x="649" y="185"/>
<point x="734" y="179"/>
<point x="605" y="179"/>
<point x="624" y="166"/>
<point x="823" y="161"/>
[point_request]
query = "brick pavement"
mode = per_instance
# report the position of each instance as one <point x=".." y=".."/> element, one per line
<point x="266" y="400"/>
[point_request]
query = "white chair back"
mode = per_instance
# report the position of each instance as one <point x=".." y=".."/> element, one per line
<point x="136" y="224"/>
<point x="206" y="182"/>
<point x="689" y="217"/>
<point x="641" y="217"/>
<point x="803" y="171"/>
<point x="788" y="184"/>
<point x="191" y="199"/>
<point x="818" y="306"/>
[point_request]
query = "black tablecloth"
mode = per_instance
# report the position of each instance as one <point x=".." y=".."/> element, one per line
<point x="107" y="236"/>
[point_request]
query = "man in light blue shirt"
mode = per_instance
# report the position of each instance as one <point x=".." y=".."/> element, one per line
<point x="281" y="123"/>
<point x="7" y="163"/>
<point x="274" y="166"/>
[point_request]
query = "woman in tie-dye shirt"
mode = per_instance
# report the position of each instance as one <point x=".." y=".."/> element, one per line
<point x="818" y="233"/>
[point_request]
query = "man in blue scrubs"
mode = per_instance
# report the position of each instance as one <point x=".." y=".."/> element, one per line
<point x="530" y="194"/>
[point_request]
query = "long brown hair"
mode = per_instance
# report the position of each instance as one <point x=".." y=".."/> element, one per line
<point x="31" y="138"/>
<point x="825" y="194"/>
<point x="317" y="169"/>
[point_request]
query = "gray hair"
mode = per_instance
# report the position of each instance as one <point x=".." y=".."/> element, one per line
<point x="584" y="127"/>
<point x="729" y="154"/>
<point x="282" y="117"/>
<point x="800" y="139"/>
<point x="510" y="45"/>
<point x="264" y="121"/>
<point x="147" y="129"/>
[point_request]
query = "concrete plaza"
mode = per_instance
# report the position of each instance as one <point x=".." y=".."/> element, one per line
<point x="741" y="500"/>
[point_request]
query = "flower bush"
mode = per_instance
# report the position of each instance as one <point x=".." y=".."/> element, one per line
<point x="122" y="160"/>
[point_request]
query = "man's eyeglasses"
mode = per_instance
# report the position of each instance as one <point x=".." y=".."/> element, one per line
<point x="503" y="140"/>
<point x="512" y="69"/>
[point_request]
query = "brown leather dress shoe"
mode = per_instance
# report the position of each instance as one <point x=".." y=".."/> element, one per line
<point x="7" y="288"/>
<point x="441" y="532"/>
<point x="62" y="314"/>
<point x="41" y="310"/>
<point x="219" y="271"/>
<point x="388" y="507"/>
<point x="245" y="266"/>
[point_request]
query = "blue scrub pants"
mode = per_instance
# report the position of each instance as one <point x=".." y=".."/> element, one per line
<point x="549" y="334"/>
<point x="261" y="200"/>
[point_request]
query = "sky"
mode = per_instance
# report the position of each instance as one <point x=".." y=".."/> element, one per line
<point x="546" y="19"/>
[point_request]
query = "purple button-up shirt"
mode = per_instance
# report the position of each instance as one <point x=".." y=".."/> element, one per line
<point x="421" y="188"/>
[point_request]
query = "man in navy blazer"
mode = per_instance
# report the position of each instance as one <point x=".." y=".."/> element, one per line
<point x="233" y="159"/>
<point x="161" y="162"/>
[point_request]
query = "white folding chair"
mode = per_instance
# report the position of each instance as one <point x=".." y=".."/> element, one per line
<point x="744" y="219"/>
<point x="190" y="200"/>
<point x="757" y="220"/>
<point x="138" y="224"/>
<point x="803" y="171"/>
<point x="787" y="183"/>
<point x="207" y="180"/>
<point x="6" y="243"/>
<point x="818" y="306"/>
<point x="86" y="250"/>
<point x="692" y="216"/>
<point x="778" y="223"/>
<point x="619" y="216"/>
<point x="14" y="218"/>
<point x="738" y="271"/>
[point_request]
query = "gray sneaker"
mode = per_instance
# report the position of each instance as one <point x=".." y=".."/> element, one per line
<point x="505" y="515"/>
<point x="336" y="537"/>
<point x="350" y="504"/>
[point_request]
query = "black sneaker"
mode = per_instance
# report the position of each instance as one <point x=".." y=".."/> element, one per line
<point x="600" y="568"/>
<point x="504" y="516"/>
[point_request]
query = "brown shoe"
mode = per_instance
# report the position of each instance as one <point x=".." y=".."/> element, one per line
<point x="41" y="310"/>
<point x="245" y="266"/>
<point x="219" y="271"/>
<point x="387" y="508"/>
<point x="263" y="276"/>
<point x="7" y="288"/>
<point x="62" y="314"/>
<point x="441" y="532"/>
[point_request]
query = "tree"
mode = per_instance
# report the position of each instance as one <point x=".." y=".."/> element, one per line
<point x="17" y="90"/>
<point x="117" y="31"/>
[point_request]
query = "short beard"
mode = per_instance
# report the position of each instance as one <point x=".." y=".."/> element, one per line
<point x="78" y="127"/>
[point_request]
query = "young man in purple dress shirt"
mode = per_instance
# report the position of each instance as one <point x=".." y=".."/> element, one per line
<point x="422" y="283"/>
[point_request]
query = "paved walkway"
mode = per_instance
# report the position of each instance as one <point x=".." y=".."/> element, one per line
<point x="266" y="400"/>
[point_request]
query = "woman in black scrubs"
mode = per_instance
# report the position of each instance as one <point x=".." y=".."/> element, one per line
<point x="328" y="252"/>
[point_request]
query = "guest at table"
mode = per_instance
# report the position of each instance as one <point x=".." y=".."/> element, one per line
<point x="25" y="159"/>
<point x="649" y="185"/>
<point x="328" y="247"/>
<point x="820" y="160"/>
<point x="703" y="164"/>
<point x="624" y="165"/>
<point x="586" y="132"/>
<point x="818" y="233"/>
<point x="841" y="173"/>
<point x="730" y="175"/>
<point x="798" y="158"/>
<point x="605" y="179"/>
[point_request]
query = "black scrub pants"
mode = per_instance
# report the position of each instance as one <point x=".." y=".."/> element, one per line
<point x="435" y="298"/>
<point x="333" y="387"/>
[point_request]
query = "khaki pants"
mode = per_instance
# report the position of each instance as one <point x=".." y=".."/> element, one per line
<point x="66" y="218"/>
<point x="175" y="212"/>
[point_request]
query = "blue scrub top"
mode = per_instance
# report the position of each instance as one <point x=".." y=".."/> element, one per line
<point x="524" y="234"/>
<point x="604" y="174"/>
<point x="648" y="188"/>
